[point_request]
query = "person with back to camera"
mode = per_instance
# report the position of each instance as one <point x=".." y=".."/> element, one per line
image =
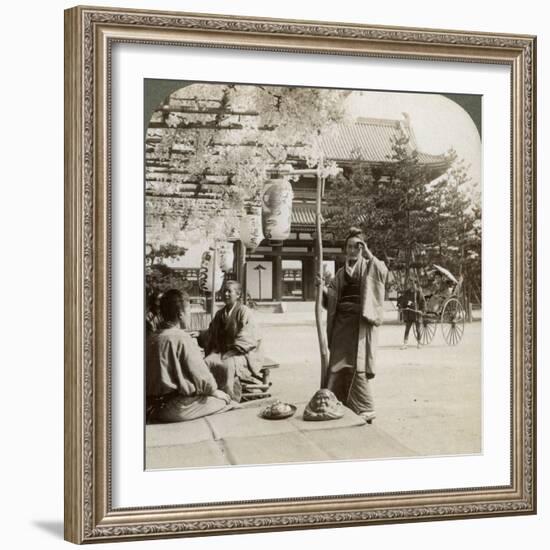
<point x="355" y="308"/>
<point x="179" y="385"/>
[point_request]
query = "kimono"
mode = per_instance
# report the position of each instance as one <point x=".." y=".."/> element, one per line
<point x="439" y="294"/>
<point x="179" y="385"/>
<point x="233" y="349"/>
<point x="355" y="309"/>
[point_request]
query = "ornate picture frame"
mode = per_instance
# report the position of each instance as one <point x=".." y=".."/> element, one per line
<point x="90" y="34"/>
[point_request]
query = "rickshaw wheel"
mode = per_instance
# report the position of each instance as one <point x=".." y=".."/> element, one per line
<point x="452" y="321"/>
<point x="427" y="330"/>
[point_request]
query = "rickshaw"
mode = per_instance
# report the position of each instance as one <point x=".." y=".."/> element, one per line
<point x="443" y="307"/>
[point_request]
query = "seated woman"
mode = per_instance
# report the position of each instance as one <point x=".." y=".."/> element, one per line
<point x="441" y="290"/>
<point x="232" y="348"/>
<point x="179" y="385"/>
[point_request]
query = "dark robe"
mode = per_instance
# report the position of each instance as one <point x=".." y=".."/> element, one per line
<point x="370" y="309"/>
<point x="355" y="309"/>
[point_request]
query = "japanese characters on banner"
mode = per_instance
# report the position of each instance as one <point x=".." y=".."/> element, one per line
<point x="209" y="271"/>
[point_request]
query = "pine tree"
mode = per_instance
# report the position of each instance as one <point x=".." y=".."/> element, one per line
<point x="410" y="220"/>
<point x="391" y="209"/>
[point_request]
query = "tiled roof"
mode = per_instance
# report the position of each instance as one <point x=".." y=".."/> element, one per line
<point x="369" y="140"/>
<point x="302" y="215"/>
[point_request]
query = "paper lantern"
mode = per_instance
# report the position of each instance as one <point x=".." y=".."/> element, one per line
<point x="251" y="228"/>
<point x="277" y="209"/>
<point x="208" y="270"/>
<point x="226" y="256"/>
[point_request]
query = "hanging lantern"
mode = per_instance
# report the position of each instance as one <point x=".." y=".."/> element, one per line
<point x="226" y="256"/>
<point x="208" y="270"/>
<point x="251" y="228"/>
<point x="231" y="227"/>
<point x="277" y="209"/>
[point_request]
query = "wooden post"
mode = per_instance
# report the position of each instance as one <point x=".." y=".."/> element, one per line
<point x="243" y="273"/>
<point x="308" y="277"/>
<point x="277" y="294"/>
<point x="240" y="267"/>
<point x="237" y="262"/>
<point x="259" y="268"/>
<point x="468" y="306"/>
<point x="213" y="302"/>
<point x="321" y="335"/>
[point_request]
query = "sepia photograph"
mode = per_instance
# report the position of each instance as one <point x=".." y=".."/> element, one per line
<point x="312" y="274"/>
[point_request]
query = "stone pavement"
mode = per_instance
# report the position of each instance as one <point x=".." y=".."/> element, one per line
<point x="242" y="436"/>
<point x="428" y="403"/>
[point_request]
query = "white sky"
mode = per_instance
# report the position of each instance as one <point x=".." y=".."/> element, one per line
<point x="438" y="122"/>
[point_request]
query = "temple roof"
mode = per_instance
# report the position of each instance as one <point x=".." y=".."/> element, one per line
<point x="303" y="216"/>
<point x="370" y="140"/>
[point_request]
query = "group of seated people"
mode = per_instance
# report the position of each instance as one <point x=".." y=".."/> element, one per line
<point x="185" y="380"/>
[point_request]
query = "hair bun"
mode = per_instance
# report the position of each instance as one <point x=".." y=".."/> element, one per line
<point x="354" y="232"/>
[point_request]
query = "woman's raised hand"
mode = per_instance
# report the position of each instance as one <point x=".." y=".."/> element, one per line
<point x="365" y="248"/>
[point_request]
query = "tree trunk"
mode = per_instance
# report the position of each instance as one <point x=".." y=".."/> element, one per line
<point x="321" y="334"/>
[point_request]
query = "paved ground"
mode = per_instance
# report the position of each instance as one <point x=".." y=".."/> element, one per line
<point x="428" y="402"/>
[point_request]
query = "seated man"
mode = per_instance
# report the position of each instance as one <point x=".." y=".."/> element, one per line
<point x="179" y="385"/>
<point x="233" y="344"/>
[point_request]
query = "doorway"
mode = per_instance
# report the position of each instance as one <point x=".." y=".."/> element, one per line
<point x="293" y="289"/>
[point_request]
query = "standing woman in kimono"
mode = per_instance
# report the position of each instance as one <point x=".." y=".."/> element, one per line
<point x="354" y="301"/>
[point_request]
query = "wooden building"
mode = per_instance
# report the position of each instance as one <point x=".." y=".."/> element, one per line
<point x="284" y="272"/>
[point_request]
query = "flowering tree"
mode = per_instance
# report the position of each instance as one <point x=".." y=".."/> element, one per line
<point x="224" y="140"/>
<point x="388" y="206"/>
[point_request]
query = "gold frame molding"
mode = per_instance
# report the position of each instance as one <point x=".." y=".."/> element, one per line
<point x="89" y="36"/>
